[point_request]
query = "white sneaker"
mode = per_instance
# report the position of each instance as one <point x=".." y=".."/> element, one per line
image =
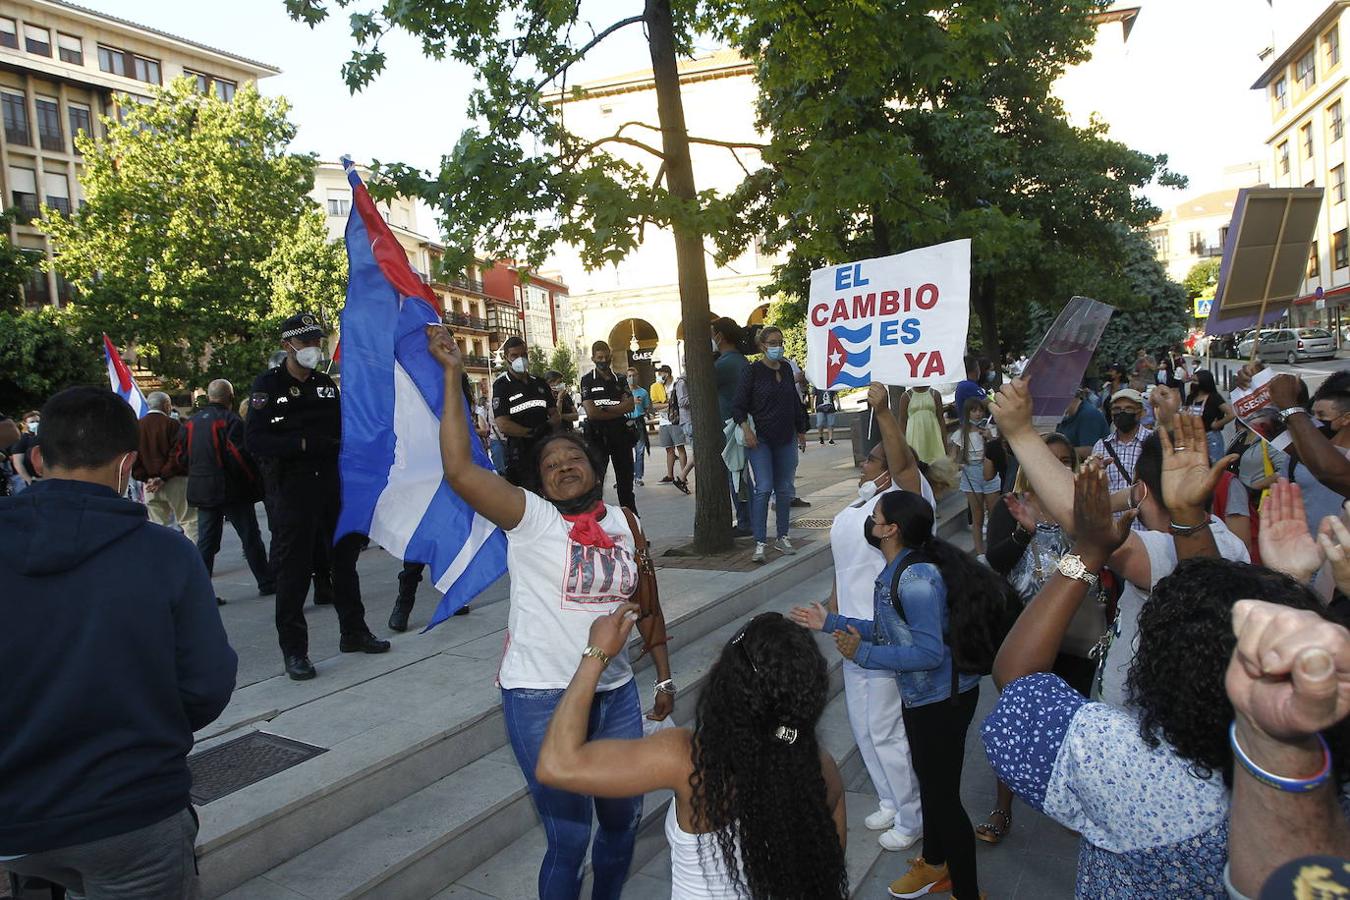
<point x="896" y="840"/>
<point x="881" y="820"/>
<point x="981" y="560"/>
<point x="785" y="546"/>
<point x="758" y="555"/>
<point x="637" y="482"/>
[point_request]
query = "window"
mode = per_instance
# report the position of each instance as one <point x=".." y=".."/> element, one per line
<point x="49" y="125"/>
<point x="80" y="121"/>
<point x="225" y="89"/>
<point x="1280" y="91"/>
<point x="15" y="107"/>
<point x="1159" y="241"/>
<point x="71" y="48"/>
<point x="1305" y="70"/>
<point x="37" y="41"/>
<point x="1283" y="152"/>
<point x="57" y="191"/>
<point x="146" y="70"/>
<point x="1338" y="184"/>
<point x="114" y="62"/>
<point x="9" y="33"/>
<point x="1337" y="126"/>
<point x="23" y="192"/>
<point x="1339" y="251"/>
<point x="203" y="80"/>
<point x="339" y="203"/>
<point x="37" y="291"/>
<point x="1197" y="243"/>
<point x="1305" y="137"/>
<point x="1331" y="46"/>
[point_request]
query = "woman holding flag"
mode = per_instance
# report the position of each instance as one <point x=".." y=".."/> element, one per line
<point x="572" y="558"/>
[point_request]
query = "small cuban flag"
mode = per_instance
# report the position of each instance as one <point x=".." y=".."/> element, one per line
<point x="119" y="378"/>
<point x="393" y="486"/>
<point x="848" y="357"/>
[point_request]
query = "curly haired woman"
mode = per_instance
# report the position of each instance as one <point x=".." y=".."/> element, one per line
<point x="734" y="830"/>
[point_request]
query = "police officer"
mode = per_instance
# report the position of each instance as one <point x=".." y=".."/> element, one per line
<point x="523" y="407"/>
<point x="609" y="431"/>
<point x="294" y="430"/>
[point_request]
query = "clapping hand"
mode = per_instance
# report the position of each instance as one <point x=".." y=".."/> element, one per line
<point x="812" y="617"/>
<point x="1166" y="401"/>
<point x="1022" y="512"/>
<point x="1097" y="532"/>
<point x="1334" y="538"/>
<point x="848" y="641"/>
<point x="1286" y="545"/>
<point x="1188" y="479"/>
<point x="1011" y="407"/>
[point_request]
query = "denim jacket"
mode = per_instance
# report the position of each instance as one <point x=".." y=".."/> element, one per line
<point x="913" y="647"/>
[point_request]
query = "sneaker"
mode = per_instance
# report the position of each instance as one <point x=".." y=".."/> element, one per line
<point x="785" y="545"/>
<point x="982" y="560"/>
<point x="896" y="840"/>
<point x="881" y="820"/>
<point x="637" y="482"/>
<point x="758" y="555"/>
<point x="831" y="442"/>
<point x="667" y="480"/>
<point x="921" y="879"/>
<point x="799" y="503"/>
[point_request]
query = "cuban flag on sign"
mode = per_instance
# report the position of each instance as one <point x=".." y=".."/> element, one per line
<point x="848" y="357"/>
<point x="393" y="487"/>
<point x="119" y="378"/>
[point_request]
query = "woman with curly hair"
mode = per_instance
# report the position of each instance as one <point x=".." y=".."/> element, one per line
<point x="759" y="806"/>
<point x="1147" y="787"/>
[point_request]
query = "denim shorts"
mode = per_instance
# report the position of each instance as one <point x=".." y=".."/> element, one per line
<point x="974" y="482"/>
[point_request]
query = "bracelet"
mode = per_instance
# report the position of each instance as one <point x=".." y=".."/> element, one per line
<point x="1187" y="530"/>
<point x="666" y="687"/>
<point x="1279" y="782"/>
<point x="595" y="652"/>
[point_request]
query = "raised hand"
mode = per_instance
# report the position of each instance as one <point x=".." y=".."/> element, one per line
<point x="1284" y="391"/>
<point x="1188" y="479"/>
<point x="812" y="616"/>
<point x="1166" y="401"/>
<point x="1011" y="407"/>
<point x="1334" y="538"/>
<point x="1097" y="533"/>
<point x="1022" y="511"/>
<point x="443" y="348"/>
<point x="878" y="396"/>
<point x="610" y="633"/>
<point x="1286" y="545"/>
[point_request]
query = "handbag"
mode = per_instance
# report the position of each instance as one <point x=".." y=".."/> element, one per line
<point x="651" y="620"/>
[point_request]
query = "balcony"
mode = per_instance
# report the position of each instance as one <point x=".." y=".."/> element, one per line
<point x="477" y="362"/>
<point x="468" y="284"/>
<point x="500" y="330"/>
<point x="466" y="321"/>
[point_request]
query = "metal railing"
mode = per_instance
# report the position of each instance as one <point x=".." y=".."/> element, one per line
<point x="466" y="321"/>
<point x="477" y="362"/>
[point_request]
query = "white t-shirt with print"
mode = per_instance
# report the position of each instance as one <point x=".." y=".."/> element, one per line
<point x="1162" y="559"/>
<point x="856" y="562"/>
<point x="558" y="587"/>
<point x="976" y="454"/>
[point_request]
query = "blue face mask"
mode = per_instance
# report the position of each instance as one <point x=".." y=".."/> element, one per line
<point x="774" y="353"/>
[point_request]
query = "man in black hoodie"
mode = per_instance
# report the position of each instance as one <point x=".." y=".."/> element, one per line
<point x="114" y="655"/>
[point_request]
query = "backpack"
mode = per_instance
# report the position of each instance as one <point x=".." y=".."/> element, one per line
<point x="673" y="402"/>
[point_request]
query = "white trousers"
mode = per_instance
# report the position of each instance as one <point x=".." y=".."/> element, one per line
<point x="169" y="503"/>
<point x="875" y="713"/>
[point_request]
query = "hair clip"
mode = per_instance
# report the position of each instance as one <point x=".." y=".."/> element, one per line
<point x="786" y="735"/>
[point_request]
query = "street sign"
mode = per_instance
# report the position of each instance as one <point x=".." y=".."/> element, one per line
<point x="1203" y="306"/>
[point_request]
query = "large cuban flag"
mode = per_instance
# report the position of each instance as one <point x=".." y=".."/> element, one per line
<point x="119" y="378"/>
<point x="393" y="487"/>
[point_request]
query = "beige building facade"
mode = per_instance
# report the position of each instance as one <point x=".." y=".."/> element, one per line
<point x="1192" y="231"/>
<point x="62" y="67"/>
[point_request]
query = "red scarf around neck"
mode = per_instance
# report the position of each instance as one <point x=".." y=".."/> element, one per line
<point x="586" y="527"/>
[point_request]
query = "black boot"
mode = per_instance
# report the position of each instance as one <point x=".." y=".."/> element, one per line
<point x="398" y="619"/>
<point x="408" y="580"/>
<point x="299" y="668"/>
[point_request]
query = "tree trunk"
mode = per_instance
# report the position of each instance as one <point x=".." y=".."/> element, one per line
<point x="983" y="299"/>
<point x="712" y="497"/>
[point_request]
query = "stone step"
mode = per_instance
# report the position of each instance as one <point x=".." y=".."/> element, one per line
<point x="504" y="814"/>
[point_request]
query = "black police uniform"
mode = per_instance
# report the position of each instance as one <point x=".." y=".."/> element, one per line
<point x="528" y="403"/>
<point x="612" y="439"/>
<point x="294" y="430"/>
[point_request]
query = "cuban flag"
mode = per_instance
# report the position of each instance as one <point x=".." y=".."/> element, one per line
<point x="849" y="356"/>
<point x="119" y="378"/>
<point x="393" y="489"/>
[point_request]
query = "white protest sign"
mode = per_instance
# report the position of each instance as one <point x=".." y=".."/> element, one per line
<point x="899" y="319"/>
<point x="1253" y="405"/>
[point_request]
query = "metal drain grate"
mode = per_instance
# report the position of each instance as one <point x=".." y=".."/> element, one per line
<point x="812" y="523"/>
<point x="235" y="765"/>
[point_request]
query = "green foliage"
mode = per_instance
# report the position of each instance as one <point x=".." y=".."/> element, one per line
<point x="192" y="202"/>
<point x="15" y="265"/>
<point x="565" y="363"/>
<point x="781" y="313"/>
<point x="42" y="351"/>
<point x="537" y="361"/>
<point x="308" y="273"/>
<point x="1203" y="278"/>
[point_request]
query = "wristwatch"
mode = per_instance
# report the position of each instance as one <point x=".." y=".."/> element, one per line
<point x="1071" y="566"/>
<point x="666" y="687"/>
<point x="1286" y="413"/>
<point x="595" y="652"/>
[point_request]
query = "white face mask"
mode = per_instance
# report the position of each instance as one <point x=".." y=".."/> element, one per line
<point x="122" y="486"/>
<point x="518" y="365"/>
<point x="868" y="489"/>
<point x="33" y="427"/>
<point x="308" y="357"/>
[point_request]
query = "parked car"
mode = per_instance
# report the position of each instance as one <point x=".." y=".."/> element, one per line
<point x="1290" y="345"/>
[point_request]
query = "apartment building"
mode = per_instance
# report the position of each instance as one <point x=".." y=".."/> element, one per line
<point x="546" y="311"/>
<point x="62" y="67"/>
<point x="480" y="319"/>
<point x="1192" y="231"/>
<point x="1305" y="89"/>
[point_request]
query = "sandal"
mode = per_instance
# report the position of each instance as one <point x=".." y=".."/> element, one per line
<point x="682" y="485"/>
<point x="991" y="833"/>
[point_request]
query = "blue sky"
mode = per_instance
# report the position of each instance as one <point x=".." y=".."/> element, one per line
<point x="1189" y="96"/>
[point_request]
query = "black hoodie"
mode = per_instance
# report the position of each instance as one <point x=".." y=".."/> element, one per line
<point x="113" y="654"/>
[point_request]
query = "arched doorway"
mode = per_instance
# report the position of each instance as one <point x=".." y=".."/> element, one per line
<point x="759" y="317"/>
<point x="633" y="343"/>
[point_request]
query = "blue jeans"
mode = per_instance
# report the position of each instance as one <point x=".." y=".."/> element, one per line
<point x="774" y="468"/>
<point x="639" y="460"/>
<point x="497" y="451"/>
<point x="567" y="816"/>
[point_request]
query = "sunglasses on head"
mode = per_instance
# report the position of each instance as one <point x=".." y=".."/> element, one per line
<point x="739" y="639"/>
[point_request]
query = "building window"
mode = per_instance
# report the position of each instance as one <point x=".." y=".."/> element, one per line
<point x="1305" y="70"/>
<point x="80" y="121"/>
<point x="1331" y="46"/>
<point x="15" y="108"/>
<point x="339" y="203"/>
<point x="37" y="291"/>
<point x="9" y="33"/>
<point x="203" y="81"/>
<point x="1283" y="152"/>
<point x="1305" y="138"/>
<point x="23" y="192"/>
<point x="71" y="48"/>
<point x="1338" y="184"/>
<point x="114" y="62"/>
<point x="1197" y="243"/>
<point x="146" y="70"/>
<point x="1337" y="126"/>
<point x="1280" y="91"/>
<point x="56" y="189"/>
<point x="49" y="125"/>
<point x="1339" y="250"/>
<point x="1314" y="271"/>
<point x="37" y="41"/>
<point x="225" y="89"/>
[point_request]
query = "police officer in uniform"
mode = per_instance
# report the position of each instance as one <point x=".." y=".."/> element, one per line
<point x="294" y="430"/>
<point x="523" y="407"/>
<point x="608" y="430"/>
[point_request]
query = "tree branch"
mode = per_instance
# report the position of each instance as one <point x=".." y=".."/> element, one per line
<point x="618" y="139"/>
<point x="586" y="48"/>
<point x="698" y="140"/>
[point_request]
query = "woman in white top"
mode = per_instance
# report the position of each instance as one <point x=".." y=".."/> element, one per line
<point x="572" y="559"/>
<point x="759" y="806"/>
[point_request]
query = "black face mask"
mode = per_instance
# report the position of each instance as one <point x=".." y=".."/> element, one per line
<point x="868" y="535"/>
<point x="583" y="503"/>
<point x="1125" y="422"/>
<point x="1327" y="431"/>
